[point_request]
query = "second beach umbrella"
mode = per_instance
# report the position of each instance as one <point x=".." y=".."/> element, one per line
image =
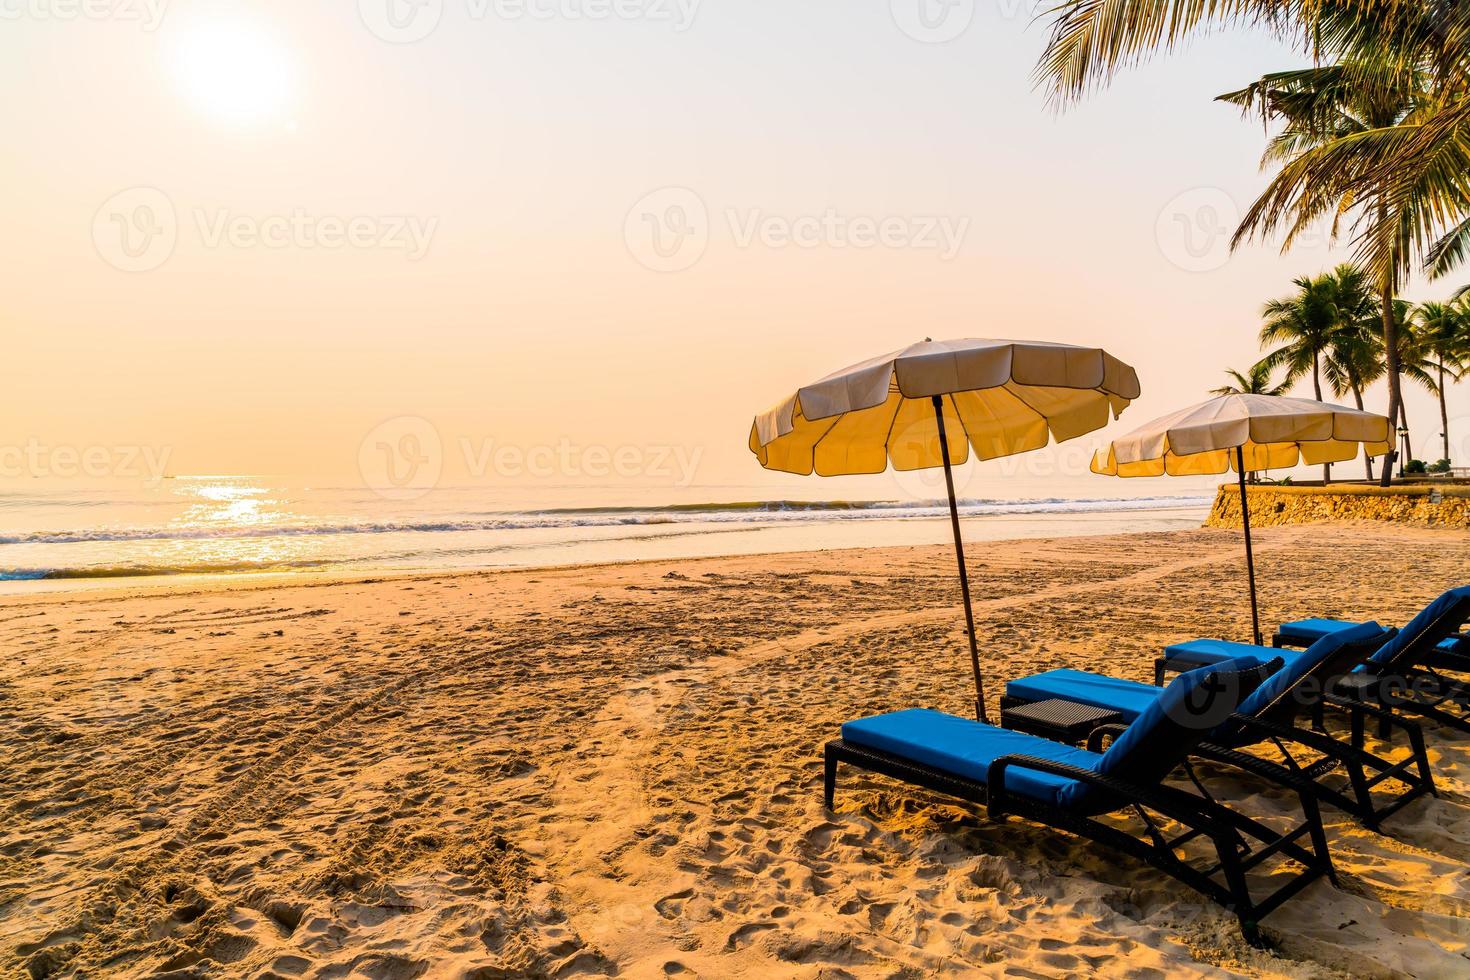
<point x="1246" y="433"/>
<point x="931" y="403"/>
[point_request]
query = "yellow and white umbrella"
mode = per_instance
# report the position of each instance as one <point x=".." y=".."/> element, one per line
<point x="999" y="397"/>
<point x="1246" y="433"/>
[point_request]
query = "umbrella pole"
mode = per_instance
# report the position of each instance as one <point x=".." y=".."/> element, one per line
<point x="959" y="550"/>
<point x="1250" y="559"/>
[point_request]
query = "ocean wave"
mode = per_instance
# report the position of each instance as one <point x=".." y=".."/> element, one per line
<point x="145" y="570"/>
<point x="713" y="513"/>
<point x="322" y="563"/>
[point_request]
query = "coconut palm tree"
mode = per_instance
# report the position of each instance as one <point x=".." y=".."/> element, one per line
<point x="1255" y="381"/>
<point x="1302" y="325"/>
<point x="1415" y="361"/>
<point x="1443" y="329"/>
<point x="1377" y="133"/>
<point x="1325" y="142"/>
<point x="1355" y="361"/>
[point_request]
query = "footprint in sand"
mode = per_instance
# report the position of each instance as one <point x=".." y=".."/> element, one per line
<point x="746" y="934"/>
<point x="672" y="906"/>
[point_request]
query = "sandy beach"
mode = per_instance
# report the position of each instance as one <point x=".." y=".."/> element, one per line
<point x="615" y="770"/>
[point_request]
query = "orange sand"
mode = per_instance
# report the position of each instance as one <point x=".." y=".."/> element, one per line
<point x="617" y="770"/>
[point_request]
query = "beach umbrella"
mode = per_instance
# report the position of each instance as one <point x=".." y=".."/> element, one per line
<point x="934" y="403"/>
<point x="1246" y="433"/>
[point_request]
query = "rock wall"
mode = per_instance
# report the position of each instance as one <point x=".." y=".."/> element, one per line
<point x="1447" y="506"/>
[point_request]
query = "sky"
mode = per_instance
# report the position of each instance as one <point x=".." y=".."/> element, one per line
<point x="273" y="237"/>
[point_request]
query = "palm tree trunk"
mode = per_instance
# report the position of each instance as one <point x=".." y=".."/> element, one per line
<point x="1444" y="414"/>
<point x="1391" y="355"/>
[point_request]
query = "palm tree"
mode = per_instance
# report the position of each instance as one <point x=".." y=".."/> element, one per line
<point x="1415" y="361"/>
<point x="1443" y="328"/>
<point x="1256" y="381"/>
<point x="1355" y="361"/>
<point x="1324" y="145"/>
<point x="1379" y="137"/>
<point x="1382" y="42"/>
<point x="1304" y="326"/>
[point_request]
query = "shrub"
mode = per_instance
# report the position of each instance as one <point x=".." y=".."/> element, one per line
<point x="1440" y="466"/>
<point x="1416" y="467"/>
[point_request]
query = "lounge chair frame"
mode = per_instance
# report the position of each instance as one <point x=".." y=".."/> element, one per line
<point x="1203" y="818"/>
<point x="1420" y="691"/>
<point x="1413" y="683"/>
<point x="1312" y="756"/>
<point x="1364" y="796"/>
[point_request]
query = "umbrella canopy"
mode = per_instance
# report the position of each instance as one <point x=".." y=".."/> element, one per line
<point x="1270" y="433"/>
<point x="1006" y="396"/>
<point x="998" y="397"/>
<point x="1245" y="433"/>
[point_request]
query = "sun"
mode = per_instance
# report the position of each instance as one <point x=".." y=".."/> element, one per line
<point x="234" y="72"/>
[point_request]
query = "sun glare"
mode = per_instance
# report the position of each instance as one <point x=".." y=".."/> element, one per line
<point x="235" y="73"/>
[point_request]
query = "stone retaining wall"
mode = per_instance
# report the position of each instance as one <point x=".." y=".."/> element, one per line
<point x="1270" y="504"/>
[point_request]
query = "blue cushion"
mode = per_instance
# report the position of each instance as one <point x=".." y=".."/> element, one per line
<point x="1311" y="630"/>
<point x="1218" y="651"/>
<point x="1131" y="698"/>
<point x="1297" y="667"/>
<point x="1168" y="729"/>
<point x="967" y="748"/>
<point x="1128" y="698"/>
<point x="1410" y="633"/>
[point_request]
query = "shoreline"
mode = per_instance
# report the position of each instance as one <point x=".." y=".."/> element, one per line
<point x="935" y="531"/>
<point x="393" y="775"/>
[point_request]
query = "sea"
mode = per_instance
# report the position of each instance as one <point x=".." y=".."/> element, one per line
<point x="73" y="536"/>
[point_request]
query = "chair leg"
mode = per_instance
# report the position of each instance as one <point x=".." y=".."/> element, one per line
<point x="829" y="778"/>
<point x="1358" y="780"/>
<point x="1421" y="756"/>
<point x="1313" y="813"/>
<point x="1235" y="884"/>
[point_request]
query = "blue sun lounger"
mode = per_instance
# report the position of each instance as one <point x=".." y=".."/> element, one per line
<point x="1304" y="632"/>
<point x="1405" y="675"/>
<point x="1268" y="717"/>
<point x="1069" y="788"/>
